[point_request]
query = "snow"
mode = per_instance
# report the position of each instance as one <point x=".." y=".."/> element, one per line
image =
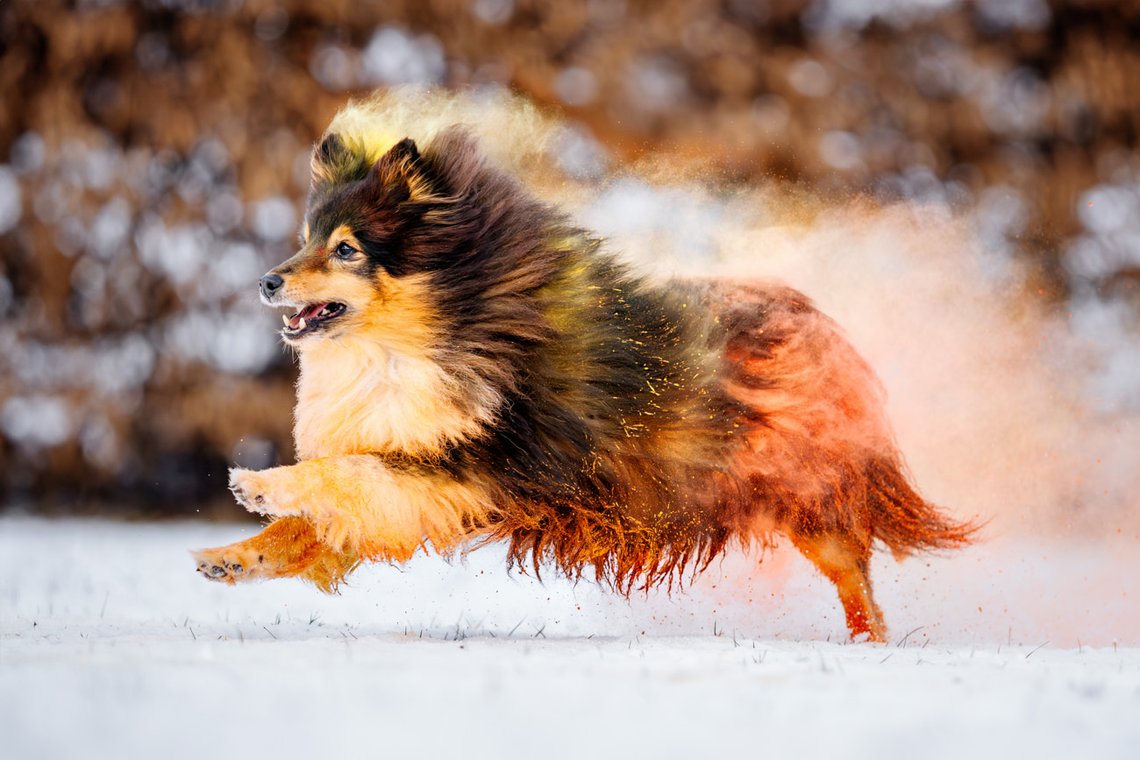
<point x="111" y="646"/>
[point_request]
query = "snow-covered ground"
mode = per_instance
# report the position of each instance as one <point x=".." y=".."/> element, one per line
<point x="112" y="647"/>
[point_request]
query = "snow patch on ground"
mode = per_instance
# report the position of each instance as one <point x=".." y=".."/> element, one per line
<point x="111" y="646"/>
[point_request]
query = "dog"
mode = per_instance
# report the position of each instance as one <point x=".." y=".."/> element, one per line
<point x="476" y="368"/>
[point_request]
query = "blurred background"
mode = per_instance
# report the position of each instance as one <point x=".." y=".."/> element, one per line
<point x="154" y="159"/>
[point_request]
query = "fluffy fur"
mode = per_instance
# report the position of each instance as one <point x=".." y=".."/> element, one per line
<point x="475" y="368"/>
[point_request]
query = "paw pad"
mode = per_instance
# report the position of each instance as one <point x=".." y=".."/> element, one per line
<point x="225" y="571"/>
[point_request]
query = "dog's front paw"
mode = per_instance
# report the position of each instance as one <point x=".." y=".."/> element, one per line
<point x="252" y="490"/>
<point x="266" y="492"/>
<point x="229" y="564"/>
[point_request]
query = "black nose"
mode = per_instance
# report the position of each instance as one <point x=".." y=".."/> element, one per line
<point x="270" y="284"/>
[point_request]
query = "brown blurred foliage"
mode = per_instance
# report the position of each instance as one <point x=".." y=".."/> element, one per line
<point x="143" y="135"/>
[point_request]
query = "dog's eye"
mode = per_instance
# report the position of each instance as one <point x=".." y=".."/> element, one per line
<point x="345" y="251"/>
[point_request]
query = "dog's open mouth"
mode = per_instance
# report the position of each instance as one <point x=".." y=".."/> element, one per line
<point x="311" y="318"/>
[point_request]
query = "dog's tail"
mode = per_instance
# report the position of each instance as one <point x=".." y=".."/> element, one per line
<point x="903" y="520"/>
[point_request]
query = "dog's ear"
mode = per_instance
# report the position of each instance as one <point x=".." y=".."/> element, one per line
<point x="331" y="160"/>
<point x="404" y="151"/>
<point x="401" y="173"/>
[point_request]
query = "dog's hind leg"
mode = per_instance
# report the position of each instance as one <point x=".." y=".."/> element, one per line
<point x="846" y="562"/>
<point x="286" y="547"/>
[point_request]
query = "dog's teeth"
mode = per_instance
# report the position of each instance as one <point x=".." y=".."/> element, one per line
<point x="301" y="324"/>
<point x="285" y="319"/>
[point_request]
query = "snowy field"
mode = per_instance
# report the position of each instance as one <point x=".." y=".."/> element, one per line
<point x="112" y="647"/>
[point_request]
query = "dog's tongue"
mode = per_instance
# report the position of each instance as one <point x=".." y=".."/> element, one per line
<point x="306" y="314"/>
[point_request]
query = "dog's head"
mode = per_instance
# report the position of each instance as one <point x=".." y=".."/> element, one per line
<point x="374" y="230"/>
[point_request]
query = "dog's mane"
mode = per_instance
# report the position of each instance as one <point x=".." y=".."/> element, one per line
<point x="595" y="366"/>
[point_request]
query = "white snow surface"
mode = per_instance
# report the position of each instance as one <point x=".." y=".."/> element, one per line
<point x="112" y="647"/>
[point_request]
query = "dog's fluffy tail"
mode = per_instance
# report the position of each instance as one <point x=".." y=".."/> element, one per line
<point x="903" y="520"/>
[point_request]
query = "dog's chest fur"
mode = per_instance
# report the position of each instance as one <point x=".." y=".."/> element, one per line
<point x="358" y="396"/>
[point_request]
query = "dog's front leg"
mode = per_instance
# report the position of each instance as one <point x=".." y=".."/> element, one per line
<point x="287" y="547"/>
<point x="363" y="504"/>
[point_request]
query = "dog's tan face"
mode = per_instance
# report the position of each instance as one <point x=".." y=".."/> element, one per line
<point x="352" y="273"/>
<point x="325" y="285"/>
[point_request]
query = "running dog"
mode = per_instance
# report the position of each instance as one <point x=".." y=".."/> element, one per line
<point x="476" y="368"/>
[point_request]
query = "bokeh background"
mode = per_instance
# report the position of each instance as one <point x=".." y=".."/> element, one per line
<point x="154" y="156"/>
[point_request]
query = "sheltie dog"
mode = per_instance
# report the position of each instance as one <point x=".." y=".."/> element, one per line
<point x="474" y="368"/>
